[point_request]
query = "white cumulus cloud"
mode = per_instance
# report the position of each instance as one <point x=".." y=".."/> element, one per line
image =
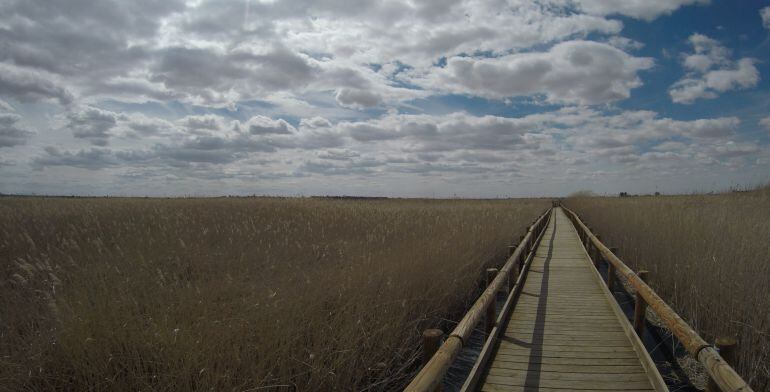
<point x="581" y="72"/>
<point x="710" y="71"/>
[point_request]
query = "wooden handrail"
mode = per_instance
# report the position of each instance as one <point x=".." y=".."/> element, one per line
<point x="433" y="372"/>
<point x="716" y="367"/>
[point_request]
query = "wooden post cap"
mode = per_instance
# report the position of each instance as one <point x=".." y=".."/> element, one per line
<point x="491" y="274"/>
<point x="726" y="346"/>
<point x="725" y="342"/>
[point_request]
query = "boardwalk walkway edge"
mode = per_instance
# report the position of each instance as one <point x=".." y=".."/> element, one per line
<point x="430" y="376"/>
<point x="560" y="327"/>
<point x="566" y="331"/>
<point x="718" y="369"/>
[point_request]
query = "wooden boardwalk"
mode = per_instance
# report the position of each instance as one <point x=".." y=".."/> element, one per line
<point x="566" y="331"/>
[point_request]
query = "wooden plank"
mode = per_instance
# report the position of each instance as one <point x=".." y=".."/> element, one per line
<point x="565" y="354"/>
<point x="506" y="388"/>
<point x="569" y="375"/>
<point x="594" y="385"/>
<point x="605" y="362"/>
<point x="575" y="368"/>
<point x="562" y="351"/>
<point x="564" y="339"/>
<point x="560" y="334"/>
<point x="568" y="346"/>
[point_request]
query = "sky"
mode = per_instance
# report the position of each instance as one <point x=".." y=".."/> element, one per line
<point x="402" y="98"/>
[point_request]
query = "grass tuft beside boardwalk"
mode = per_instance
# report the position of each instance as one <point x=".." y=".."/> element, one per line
<point x="708" y="257"/>
<point x="236" y="294"/>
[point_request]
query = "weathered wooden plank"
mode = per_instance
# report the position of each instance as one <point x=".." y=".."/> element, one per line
<point x="565" y="339"/>
<point x="605" y="362"/>
<point x="567" y="346"/>
<point x="555" y="350"/>
<point x="506" y="388"/>
<point x="566" y="354"/>
<point x="569" y="375"/>
<point x="594" y="385"/>
<point x="575" y="368"/>
<point x="519" y="330"/>
<point x="560" y="334"/>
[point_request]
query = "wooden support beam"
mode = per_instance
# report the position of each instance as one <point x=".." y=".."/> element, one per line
<point x="514" y="274"/>
<point x="491" y="313"/>
<point x="640" y="307"/>
<point x="611" y="270"/>
<point x="597" y="255"/>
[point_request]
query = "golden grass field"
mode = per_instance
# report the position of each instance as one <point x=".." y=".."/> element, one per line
<point x="708" y="257"/>
<point x="238" y="293"/>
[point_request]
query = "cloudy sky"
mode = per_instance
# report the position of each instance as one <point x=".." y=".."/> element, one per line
<point x="396" y="98"/>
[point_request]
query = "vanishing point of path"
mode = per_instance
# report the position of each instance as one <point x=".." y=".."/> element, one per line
<point x="566" y="332"/>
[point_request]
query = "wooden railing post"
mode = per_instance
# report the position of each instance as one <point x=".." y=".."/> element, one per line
<point x="514" y="271"/>
<point x="491" y="315"/>
<point x="726" y="347"/>
<point x="640" y="307"/>
<point x="597" y="253"/>
<point x="611" y="271"/>
<point x="513" y="277"/>
<point x="431" y="341"/>
<point x="591" y="250"/>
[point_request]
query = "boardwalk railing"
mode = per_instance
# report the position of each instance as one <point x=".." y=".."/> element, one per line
<point x="431" y="375"/>
<point x="718" y="369"/>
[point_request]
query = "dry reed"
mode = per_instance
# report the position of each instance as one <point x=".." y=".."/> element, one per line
<point x="235" y="294"/>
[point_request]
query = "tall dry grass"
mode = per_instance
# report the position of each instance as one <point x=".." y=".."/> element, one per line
<point x="708" y="256"/>
<point x="235" y="294"/>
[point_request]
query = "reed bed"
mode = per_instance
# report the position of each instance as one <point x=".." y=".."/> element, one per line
<point x="708" y="257"/>
<point x="236" y="294"/>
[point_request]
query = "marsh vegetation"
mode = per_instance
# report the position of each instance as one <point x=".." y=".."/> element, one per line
<point x="236" y="294"/>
